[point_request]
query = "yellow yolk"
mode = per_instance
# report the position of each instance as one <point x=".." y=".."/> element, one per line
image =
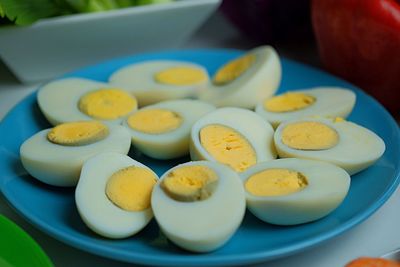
<point x="288" y="102"/>
<point x="77" y="133"/>
<point x="338" y="119"/>
<point x="227" y="146"/>
<point x="275" y="182"/>
<point x="233" y="69"/>
<point x="130" y="188"/>
<point x="107" y="104"/>
<point x="181" y="76"/>
<point x="190" y="183"/>
<point x="155" y="121"/>
<point x="309" y="136"/>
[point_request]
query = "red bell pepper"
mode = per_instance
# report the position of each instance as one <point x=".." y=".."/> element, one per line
<point x="359" y="40"/>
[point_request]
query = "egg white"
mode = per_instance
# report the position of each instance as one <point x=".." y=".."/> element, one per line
<point x="94" y="207"/>
<point x="61" y="165"/>
<point x="58" y="100"/>
<point x="258" y="82"/>
<point x="139" y="79"/>
<point x="327" y="187"/>
<point x="174" y="143"/>
<point x="205" y="225"/>
<point x="330" y="102"/>
<point x="255" y="129"/>
<point x="357" y="148"/>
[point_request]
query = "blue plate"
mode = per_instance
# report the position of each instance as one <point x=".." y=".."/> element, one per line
<point x="53" y="209"/>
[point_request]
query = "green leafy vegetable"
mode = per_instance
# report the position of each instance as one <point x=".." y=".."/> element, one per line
<point x="148" y="2"/>
<point x="25" y="12"/>
<point x="92" y="5"/>
<point x="1" y="12"/>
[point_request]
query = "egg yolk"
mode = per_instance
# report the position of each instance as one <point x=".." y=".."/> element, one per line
<point x="288" y="102"/>
<point x="107" y="104"/>
<point x="190" y="183"/>
<point x="309" y="135"/>
<point x="130" y="188"/>
<point x="228" y="146"/>
<point x="233" y="69"/>
<point x="155" y="121"/>
<point x="275" y="182"/>
<point x="338" y="119"/>
<point x="181" y="76"/>
<point x="77" y="133"/>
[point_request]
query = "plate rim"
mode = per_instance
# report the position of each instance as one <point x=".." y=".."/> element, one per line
<point x="193" y="259"/>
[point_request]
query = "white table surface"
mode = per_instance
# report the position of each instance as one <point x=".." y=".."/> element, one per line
<point x="375" y="236"/>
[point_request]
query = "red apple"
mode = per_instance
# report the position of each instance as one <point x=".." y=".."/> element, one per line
<point x="359" y="40"/>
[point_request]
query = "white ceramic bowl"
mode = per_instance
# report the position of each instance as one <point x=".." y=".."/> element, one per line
<point x="53" y="46"/>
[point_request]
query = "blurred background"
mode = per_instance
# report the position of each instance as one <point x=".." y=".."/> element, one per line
<point x="357" y="40"/>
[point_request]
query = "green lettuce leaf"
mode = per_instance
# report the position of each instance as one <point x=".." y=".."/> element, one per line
<point x="1" y="11"/>
<point x="24" y="12"/>
<point x="150" y="2"/>
<point x="99" y="5"/>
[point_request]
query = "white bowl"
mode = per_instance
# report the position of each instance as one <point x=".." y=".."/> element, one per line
<point x="53" y="46"/>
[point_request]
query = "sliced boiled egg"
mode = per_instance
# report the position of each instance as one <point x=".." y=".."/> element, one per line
<point x="158" y="80"/>
<point x="321" y="101"/>
<point x="337" y="141"/>
<point x="246" y="80"/>
<point x="162" y="130"/>
<point x="55" y="156"/>
<point x="75" y="99"/>
<point x="294" y="191"/>
<point x="113" y="195"/>
<point x="199" y="205"/>
<point x="236" y="137"/>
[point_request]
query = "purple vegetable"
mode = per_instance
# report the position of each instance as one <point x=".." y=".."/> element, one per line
<point x="270" y="20"/>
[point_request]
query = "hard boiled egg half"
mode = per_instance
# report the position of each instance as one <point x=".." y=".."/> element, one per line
<point x="246" y="80"/>
<point x="337" y="141"/>
<point x="236" y="137"/>
<point x="321" y="101"/>
<point x="76" y="99"/>
<point x="55" y="156"/>
<point x="158" y="80"/>
<point x="294" y="191"/>
<point x="162" y="130"/>
<point x="113" y="195"/>
<point x="199" y="205"/>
